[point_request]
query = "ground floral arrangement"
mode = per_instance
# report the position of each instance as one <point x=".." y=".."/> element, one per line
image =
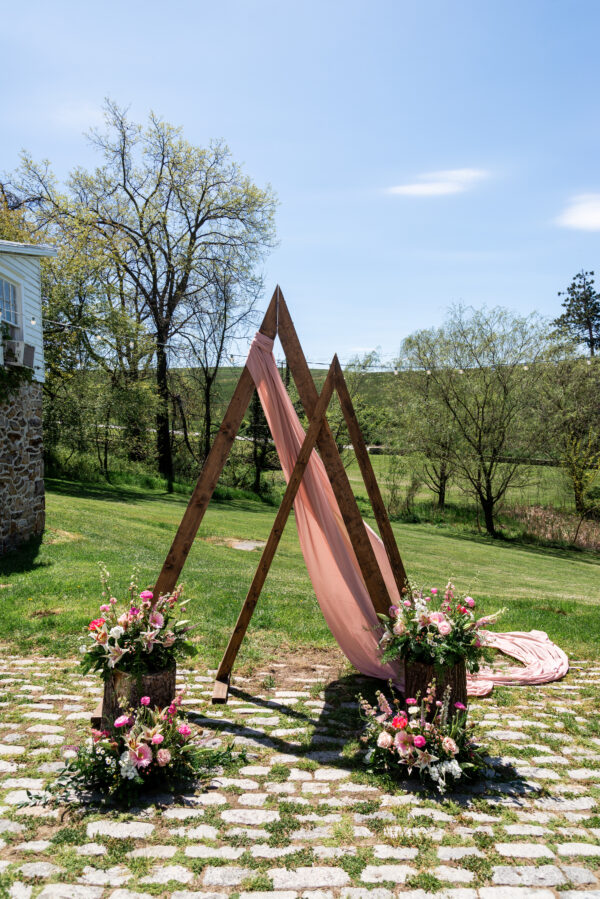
<point x="145" y="749"/>
<point x="432" y="632"/>
<point x="142" y="638"/>
<point x="425" y="737"/>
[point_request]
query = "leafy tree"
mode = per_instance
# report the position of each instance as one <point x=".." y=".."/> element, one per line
<point x="581" y="319"/>
<point x="161" y="214"/>
<point x="485" y="368"/>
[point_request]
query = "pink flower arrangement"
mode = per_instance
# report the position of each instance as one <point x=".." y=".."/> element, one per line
<point x="444" y="636"/>
<point x="429" y="740"/>
<point x="149" y="635"/>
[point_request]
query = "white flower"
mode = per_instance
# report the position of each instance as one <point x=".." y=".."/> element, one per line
<point x="82" y="649"/>
<point x="116" y="632"/>
<point x="127" y="767"/>
<point x="413" y="710"/>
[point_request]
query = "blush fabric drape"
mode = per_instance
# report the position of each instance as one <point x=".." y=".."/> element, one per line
<point x="332" y="564"/>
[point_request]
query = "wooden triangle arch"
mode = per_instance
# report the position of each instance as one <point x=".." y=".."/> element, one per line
<point x="277" y="321"/>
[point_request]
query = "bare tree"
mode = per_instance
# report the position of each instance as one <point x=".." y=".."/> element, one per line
<point x="485" y="367"/>
<point x="162" y="213"/>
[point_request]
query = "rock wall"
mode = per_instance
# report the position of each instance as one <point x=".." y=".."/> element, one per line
<point x="22" y="501"/>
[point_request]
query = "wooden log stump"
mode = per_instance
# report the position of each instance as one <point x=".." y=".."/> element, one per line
<point x="123" y="690"/>
<point x="419" y="676"/>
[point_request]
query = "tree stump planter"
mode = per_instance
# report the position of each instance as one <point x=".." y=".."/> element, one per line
<point x="419" y="676"/>
<point x="123" y="690"/>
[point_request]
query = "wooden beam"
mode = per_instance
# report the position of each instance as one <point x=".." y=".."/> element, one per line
<point x="213" y="466"/>
<point x="317" y="422"/>
<point x="333" y="464"/>
<point x="364" y="462"/>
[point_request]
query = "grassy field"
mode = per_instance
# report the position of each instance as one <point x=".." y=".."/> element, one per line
<point x="49" y="592"/>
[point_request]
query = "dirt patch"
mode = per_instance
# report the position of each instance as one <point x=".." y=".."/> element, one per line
<point x="55" y="535"/>
<point x="45" y="613"/>
<point x="236" y="543"/>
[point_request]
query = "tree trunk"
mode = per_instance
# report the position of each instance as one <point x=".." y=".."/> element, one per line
<point x="488" y="516"/>
<point x="123" y="691"/>
<point x="419" y="676"/>
<point x="442" y="483"/>
<point x="163" y="432"/>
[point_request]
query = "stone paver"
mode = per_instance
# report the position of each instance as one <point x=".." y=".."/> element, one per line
<point x="294" y="822"/>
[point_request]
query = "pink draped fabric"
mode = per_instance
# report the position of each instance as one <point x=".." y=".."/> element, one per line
<point x="332" y="564"/>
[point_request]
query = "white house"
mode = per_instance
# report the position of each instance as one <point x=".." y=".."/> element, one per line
<point x="22" y="506"/>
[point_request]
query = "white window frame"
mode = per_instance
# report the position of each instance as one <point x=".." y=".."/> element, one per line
<point x="16" y="328"/>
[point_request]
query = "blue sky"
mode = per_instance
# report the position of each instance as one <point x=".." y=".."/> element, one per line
<point x="422" y="153"/>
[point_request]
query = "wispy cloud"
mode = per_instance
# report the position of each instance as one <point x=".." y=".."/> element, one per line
<point x="583" y="213"/>
<point x="438" y="184"/>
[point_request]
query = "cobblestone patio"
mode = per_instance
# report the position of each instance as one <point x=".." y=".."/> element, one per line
<point x="302" y="818"/>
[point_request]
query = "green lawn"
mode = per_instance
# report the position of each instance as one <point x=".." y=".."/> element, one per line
<point x="49" y="592"/>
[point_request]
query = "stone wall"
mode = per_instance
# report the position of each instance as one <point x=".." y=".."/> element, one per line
<point x="22" y="502"/>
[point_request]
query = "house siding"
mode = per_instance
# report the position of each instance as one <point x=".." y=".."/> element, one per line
<point x="25" y="272"/>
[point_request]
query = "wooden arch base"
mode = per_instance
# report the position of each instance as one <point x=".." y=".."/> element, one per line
<point x="277" y="321"/>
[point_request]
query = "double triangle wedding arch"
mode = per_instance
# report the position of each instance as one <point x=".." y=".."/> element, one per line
<point x="277" y="322"/>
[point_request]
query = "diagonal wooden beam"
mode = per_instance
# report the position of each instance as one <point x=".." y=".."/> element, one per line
<point x="364" y="462"/>
<point x="213" y="466"/>
<point x="333" y="464"/>
<point x="317" y="422"/>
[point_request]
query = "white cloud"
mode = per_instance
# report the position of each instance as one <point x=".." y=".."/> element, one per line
<point x="437" y="184"/>
<point x="583" y="213"/>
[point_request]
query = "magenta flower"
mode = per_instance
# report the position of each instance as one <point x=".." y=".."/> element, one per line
<point x="172" y="710"/>
<point x="393" y="611"/>
<point x="145" y="700"/>
<point x="184" y="730"/>
<point x="411" y="702"/>
<point x="147" y="594"/>
<point x="123" y="721"/>
<point x="459" y="705"/>
<point x="434" y="591"/>
<point x="420" y="741"/>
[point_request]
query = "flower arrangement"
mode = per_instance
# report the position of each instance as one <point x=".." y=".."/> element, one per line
<point x="424" y="737"/>
<point x="142" y="638"/>
<point x="145" y="748"/>
<point x="423" y="629"/>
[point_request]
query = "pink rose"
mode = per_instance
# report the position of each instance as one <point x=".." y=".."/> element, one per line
<point x="411" y="701"/>
<point x="407" y="603"/>
<point x="184" y="730"/>
<point x="147" y="595"/>
<point x="393" y="611"/>
<point x="105" y="608"/>
<point x="145" y="700"/>
<point x="434" y="591"/>
<point x="469" y="601"/>
<point x="384" y="740"/>
<point x="444" y="627"/>
<point x="448" y="745"/>
<point x="157" y="738"/>
<point x="420" y="741"/>
<point x="399" y="627"/>
<point x="163" y="757"/>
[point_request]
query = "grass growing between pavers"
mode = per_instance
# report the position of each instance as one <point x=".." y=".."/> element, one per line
<point x="51" y="590"/>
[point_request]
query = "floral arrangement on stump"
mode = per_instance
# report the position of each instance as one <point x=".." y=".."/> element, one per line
<point x="144" y="637"/>
<point x="442" y="639"/>
<point x="430" y="736"/>
<point x="146" y="748"/>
